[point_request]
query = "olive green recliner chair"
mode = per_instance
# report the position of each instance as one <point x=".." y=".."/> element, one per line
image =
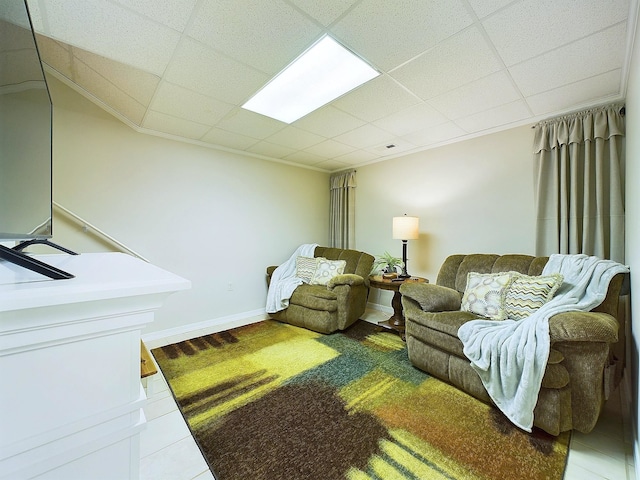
<point x="587" y="353"/>
<point x="335" y="306"/>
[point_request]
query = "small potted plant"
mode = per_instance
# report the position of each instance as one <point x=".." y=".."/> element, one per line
<point x="386" y="264"/>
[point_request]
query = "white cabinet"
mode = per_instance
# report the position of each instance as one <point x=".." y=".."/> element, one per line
<point x="70" y="394"/>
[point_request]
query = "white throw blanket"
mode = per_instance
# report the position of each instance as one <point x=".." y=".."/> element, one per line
<point x="284" y="280"/>
<point x="511" y="356"/>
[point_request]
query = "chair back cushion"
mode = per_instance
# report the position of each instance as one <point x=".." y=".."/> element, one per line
<point x="358" y="262"/>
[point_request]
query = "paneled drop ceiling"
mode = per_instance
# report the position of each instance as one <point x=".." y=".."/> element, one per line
<point x="450" y="69"/>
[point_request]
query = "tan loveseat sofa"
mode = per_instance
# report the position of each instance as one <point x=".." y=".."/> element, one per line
<point x="587" y="348"/>
<point x="335" y="306"/>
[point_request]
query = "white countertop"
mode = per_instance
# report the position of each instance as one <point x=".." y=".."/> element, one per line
<point x="97" y="276"/>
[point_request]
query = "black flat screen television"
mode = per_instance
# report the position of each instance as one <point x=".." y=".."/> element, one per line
<point x="26" y="115"/>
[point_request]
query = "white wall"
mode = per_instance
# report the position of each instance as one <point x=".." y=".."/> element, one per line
<point x="212" y="217"/>
<point x="472" y="197"/>
<point x="632" y="216"/>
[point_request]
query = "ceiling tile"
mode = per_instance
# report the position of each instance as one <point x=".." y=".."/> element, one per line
<point x="442" y="78"/>
<point x="356" y="157"/>
<point x="456" y="61"/>
<point x="495" y="117"/>
<point x="411" y="119"/>
<point x="295" y="138"/>
<point x="172" y="13"/>
<point x="375" y="99"/>
<point x="594" y="90"/>
<point x="55" y="54"/>
<point x="328" y="122"/>
<point x="182" y="103"/>
<point x="210" y="73"/>
<point x="174" y="126"/>
<point x="306" y="158"/>
<point x="486" y="7"/>
<point x="228" y="139"/>
<point x="270" y="149"/>
<point x="434" y="135"/>
<point x="107" y="92"/>
<point x="332" y="165"/>
<point x="585" y="58"/>
<point x="330" y="149"/>
<point x="484" y="94"/>
<point x="250" y="124"/>
<point x="108" y="30"/>
<point x="388" y="37"/>
<point x="365" y="136"/>
<point x="137" y="83"/>
<point x="395" y="147"/>
<point x="326" y="11"/>
<point x="13" y="36"/>
<point x="516" y="31"/>
<point x="268" y="34"/>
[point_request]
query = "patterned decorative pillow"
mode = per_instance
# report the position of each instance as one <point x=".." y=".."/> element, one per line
<point x="527" y="294"/>
<point x="326" y="270"/>
<point x="305" y="268"/>
<point x="484" y="294"/>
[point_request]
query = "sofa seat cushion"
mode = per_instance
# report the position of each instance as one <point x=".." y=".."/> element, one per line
<point x="315" y="297"/>
<point x="440" y="330"/>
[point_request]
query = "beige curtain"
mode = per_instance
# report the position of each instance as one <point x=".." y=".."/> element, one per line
<point x="579" y="183"/>
<point x="342" y="205"/>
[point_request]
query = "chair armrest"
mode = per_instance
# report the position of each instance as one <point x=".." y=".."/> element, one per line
<point x="431" y="297"/>
<point x="270" y="271"/>
<point x="583" y="327"/>
<point x="350" y="279"/>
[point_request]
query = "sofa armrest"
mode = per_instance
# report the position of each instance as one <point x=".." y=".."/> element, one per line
<point x="431" y="297"/>
<point x="583" y="327"/>
<point x="350" y="279"/>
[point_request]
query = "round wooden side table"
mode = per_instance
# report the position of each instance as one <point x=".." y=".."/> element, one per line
<point x="396" y="321"/>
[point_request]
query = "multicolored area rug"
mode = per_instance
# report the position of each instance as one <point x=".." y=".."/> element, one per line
<point x="273" y="401"/>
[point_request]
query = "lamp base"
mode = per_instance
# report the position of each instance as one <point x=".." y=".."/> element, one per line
<point x="404" y="274"/>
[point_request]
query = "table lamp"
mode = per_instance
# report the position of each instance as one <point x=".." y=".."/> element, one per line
<point x="405" y="228"/>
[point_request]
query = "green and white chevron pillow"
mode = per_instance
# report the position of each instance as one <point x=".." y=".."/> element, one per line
<point x="305" y="268"/>
<point x="526" y="294"/>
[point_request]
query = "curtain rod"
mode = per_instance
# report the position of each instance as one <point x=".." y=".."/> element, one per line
<point x="622" y="112"/>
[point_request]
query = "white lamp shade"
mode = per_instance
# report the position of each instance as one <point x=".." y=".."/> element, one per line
<point x="405" y="228"/>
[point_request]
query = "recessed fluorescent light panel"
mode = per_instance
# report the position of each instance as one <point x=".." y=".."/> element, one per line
<point x="324" y="72"/>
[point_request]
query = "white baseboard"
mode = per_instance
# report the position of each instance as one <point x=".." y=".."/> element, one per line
<point x="629" y="417"/>
<point x="380" y="308"/>
<point x="192" y="330"/>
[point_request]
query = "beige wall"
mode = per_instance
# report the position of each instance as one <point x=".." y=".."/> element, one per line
<point x="212" y="217"/>
<point x="632" y="216"/>
<point x="473" y="196"/>
<point x="26" y="158"/>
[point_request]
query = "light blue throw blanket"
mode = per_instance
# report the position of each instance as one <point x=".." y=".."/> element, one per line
<point x="284" y="280"/>
<point x="511" y="356"/>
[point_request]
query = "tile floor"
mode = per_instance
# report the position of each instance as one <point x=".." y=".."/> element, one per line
<point x="168" y="451"/>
